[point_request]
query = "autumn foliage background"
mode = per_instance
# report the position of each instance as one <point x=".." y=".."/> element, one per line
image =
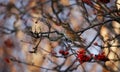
<point x="59" y="35"/>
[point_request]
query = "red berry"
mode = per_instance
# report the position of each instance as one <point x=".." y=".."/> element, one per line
<point x="61" y="51"/>
<point x="58" y="24"/>
<point x="96" y="44"/>
<point x="9" y="43"/>
<point x="104" y="1"/>
<point x="7" y="60"/>
<point x="88" y="2"/>
<point x="66" y="53"/>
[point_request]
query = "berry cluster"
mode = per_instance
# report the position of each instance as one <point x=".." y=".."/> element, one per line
<point x="83" y="57"/>
<point x="101" y="57"/>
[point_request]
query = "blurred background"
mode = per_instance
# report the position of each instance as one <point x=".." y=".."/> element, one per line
<point x="38" y="35"/>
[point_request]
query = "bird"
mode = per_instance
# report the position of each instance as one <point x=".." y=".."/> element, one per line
<point x="74" y="37"/>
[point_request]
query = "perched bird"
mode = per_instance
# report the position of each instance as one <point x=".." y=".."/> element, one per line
<point x="71" y="35"/>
